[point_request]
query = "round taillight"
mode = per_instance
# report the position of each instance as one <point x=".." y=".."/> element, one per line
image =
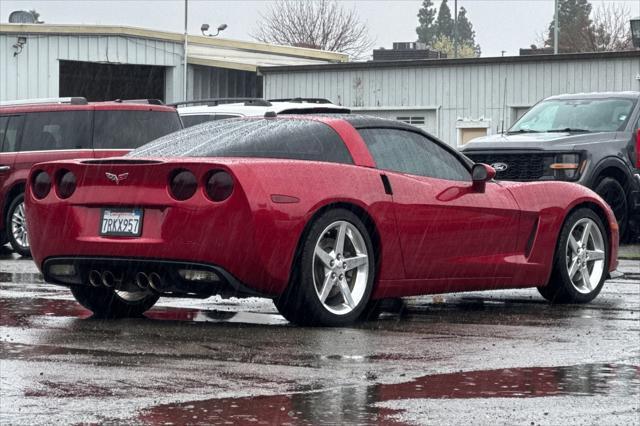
<point x="40" y="184"/>
<point x="183" y="185"/>
<point x="66" y="184"/>
<point x="219" y="185"/>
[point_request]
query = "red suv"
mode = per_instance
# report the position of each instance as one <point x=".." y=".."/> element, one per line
<point x="33" y="131"/>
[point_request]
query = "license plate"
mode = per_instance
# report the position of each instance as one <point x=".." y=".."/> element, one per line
<point x="121" y="222"/>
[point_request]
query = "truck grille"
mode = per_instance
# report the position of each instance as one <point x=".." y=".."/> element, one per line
<point x="520" y="166"/>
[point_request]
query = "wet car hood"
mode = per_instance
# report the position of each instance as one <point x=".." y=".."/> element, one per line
<point x="537" y="141"/>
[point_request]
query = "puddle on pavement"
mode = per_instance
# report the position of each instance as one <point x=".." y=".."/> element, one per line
<point x="357" y="404"/>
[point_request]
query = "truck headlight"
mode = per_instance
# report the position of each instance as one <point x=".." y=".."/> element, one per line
<point x="567" y="166"/>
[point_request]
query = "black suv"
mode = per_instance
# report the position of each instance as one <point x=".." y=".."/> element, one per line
<point x="591" y="139"/>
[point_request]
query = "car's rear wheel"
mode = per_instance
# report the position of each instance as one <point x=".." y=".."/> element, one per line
<point x="17" y="230"/>
<point x="333" y="274"/>
<point x="581" y="259"/>
<point x="110" y="303"/>
<point x="613" y="193"/>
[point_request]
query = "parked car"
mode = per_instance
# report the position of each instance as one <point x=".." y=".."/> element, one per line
<point x="202" y="110"/>
<point x="323" y="214"/>
<point x="37" y="130"/>
<point x="591" y="139"/>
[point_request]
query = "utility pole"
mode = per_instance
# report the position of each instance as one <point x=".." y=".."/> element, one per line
<point x="455" y="29"/>
<point x="186" y="43"/>
<point x="556" y="25"/>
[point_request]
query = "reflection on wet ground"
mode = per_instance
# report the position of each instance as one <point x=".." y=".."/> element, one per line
<point x="358" y="404"/>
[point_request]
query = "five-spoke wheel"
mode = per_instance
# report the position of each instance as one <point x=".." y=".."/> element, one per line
<point x="17" y="226"/>
<point x="581" y="259"/>
<point x="333" y="274"/>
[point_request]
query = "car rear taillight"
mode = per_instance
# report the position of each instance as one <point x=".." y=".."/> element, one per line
<point x="65" y="184"/>
<point x="219" y="185"/>
<point x="182" y="184"/>
<point x="40" y="184"/>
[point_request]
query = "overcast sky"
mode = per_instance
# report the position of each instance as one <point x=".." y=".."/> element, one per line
<point x="499" y="24"/>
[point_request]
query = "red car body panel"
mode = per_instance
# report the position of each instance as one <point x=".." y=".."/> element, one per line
<point x="21" y="162"/>
<point x="433" y="235"/>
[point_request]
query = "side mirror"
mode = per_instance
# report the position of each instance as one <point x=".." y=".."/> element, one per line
<point x="481" y="174"/>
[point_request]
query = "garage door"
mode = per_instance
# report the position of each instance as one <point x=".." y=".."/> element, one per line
<point x="426" y="119"/>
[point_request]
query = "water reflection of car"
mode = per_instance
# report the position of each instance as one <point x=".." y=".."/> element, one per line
<point x="591" y="139"/>
<point x="36" y="130"/>
<point x="203" y="110"/>
<point x="323" y="214"/>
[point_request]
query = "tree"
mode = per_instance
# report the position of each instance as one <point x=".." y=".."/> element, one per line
<point x="427" y="32"/>
<point x="444" y="22"/>
<point x="36" y="16"/>
<point x="575" y="27"/>
<point x="445" y="45"/>
<point x="319" y="24"/>
<point x="611" y="28"/>
<point x="466" y="34"/>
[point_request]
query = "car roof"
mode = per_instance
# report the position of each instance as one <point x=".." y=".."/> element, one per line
<point x="90" y="106"/>
<point x="244" y="109"/>
<point x="597" y="95"/>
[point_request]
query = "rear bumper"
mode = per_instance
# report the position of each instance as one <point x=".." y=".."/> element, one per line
<point x="124" y="271"/>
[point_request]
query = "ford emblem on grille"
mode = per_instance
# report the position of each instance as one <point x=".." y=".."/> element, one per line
<point x="117" y="178"/>
<point x="500" y="167"/>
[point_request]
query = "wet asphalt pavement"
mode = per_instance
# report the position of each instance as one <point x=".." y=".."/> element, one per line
<point x="503" y="357"/>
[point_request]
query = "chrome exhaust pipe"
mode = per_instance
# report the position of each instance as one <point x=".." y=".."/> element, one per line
<point x="142" y="280"/>
<point x="155" y="281"/>
<point x="108" y="279"/>
<point x="95" y="278"/>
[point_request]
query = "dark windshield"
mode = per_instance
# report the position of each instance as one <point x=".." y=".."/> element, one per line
<point x="580" y="115"/>
<point x="262" y="138"/>
<point x="130" y="129"/>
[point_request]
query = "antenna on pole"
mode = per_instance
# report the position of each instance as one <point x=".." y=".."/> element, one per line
<point x="186" y="42"/>
<point x="504" y="105"/>
<point x="556" y="26"/>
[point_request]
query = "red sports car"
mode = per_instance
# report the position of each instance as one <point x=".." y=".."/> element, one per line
<point x="326" y="215"/>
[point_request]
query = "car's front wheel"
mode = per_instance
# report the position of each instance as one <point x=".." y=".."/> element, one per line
<point x="111" y="303"/>
<point x="334" y="272"/>
<point x="581" y="259"/>
<point x="17" y="231"/>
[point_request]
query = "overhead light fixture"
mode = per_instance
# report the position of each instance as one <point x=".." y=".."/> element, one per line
<point x="19" y="45"/>
<point x="205" y="27"/>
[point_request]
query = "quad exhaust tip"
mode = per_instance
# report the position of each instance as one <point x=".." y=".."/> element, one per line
<point x="142" y="280"/>
<point x="108" y="279"/>
<point x="95" y="279"/>
<point x="155" y="281"/>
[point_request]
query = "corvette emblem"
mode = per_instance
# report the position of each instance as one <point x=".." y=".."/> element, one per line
<point x="117" y="178"/>
<point x="500" y="167"/>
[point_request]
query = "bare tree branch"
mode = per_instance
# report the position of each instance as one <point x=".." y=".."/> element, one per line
<point x="611" y="25"/>
<point x="317" y="24"/>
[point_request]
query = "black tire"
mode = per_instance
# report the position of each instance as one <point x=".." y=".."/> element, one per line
<point x="105" y="302"/>
<point x="18" y="247"/>
<point x="300" y="302"/>
<point x="561" y="288"/>
<point x="613" y="193"/>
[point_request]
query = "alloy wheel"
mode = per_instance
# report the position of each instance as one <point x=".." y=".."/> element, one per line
<point x="19" y="226"/>
<point x="340" y="267"/>
<point x="585" y="255"/>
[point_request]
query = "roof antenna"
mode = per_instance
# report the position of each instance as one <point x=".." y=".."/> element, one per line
<point x="270" y="114"/>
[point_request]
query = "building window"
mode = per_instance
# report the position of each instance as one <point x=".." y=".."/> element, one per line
<point x="469" y="129"/>
<point x="415" y="120"/>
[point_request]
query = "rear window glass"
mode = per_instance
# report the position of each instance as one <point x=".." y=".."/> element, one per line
<point x="44" y="131"/>
<point x="131" y="129"/>
<point x="192" y="120"/>
<point x="261" y="138"/>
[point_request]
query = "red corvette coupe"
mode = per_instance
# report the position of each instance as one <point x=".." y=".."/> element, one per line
<point x="323" y="214"/>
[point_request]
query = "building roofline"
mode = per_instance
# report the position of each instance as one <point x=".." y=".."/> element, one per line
<point x="451" y="62"/>
<point x="116" y="30"/>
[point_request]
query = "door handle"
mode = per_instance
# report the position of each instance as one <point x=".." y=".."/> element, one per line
<point x="4" y="168"/>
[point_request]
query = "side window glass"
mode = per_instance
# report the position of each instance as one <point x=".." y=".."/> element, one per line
<point x="3" y="130"/>
<point x="408" y="152"/>
<point x="192" y="120"/>
<point x="13" y="133"/>
<point x="57" y="130"/>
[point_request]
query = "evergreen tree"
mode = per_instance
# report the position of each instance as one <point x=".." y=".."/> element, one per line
<point x="466" y="34"/>
<point x="576" y="29"/>
<point x="427" y="31"/>
<point x="444" y="22"/>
